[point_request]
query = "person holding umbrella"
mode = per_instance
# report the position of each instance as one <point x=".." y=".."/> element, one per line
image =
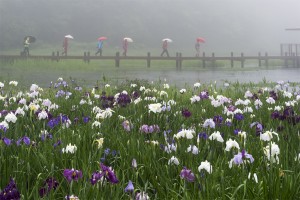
<point x="197" y="45"/>
<point x="26" y="47"/>
<point x="100" y="45"/>
<point x="66" y="44"/>
<point x="165" y="47"/>
<point x="125" y="46"/>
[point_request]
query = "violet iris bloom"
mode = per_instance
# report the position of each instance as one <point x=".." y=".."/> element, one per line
<point x="187" y="174"/>
<point x="24" y="139"/>
<point x="7" y="141"/>
<point x="49" y="184"/>
<point x="239" y="116"/>
<point x="10" y="192"/>
<point x="106" y="172"/>
<point x="72" y="174"/>
<point x="129" y="187"/>
<point x="186" y="113"/>
<point x="240" y="157"/>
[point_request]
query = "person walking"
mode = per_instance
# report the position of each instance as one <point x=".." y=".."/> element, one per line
<point x="197" y="47"/>
<point x="26" y="47"/>
<point x="65" y="46"/>
<point x="165" y="48"/>
<point x="125" y="47"/>
<point x="99" y="46"/>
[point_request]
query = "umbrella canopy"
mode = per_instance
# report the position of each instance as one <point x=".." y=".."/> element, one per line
<point x="30" y="39"/>
<point x="200" y="39"/>
<point x="69" y="36"/>
<point x="128" y="39"/>
<point x="102" y="38"/>
<point x="167" y="39"/>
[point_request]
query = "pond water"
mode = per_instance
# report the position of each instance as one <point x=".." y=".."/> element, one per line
<point x="180" y="78"/>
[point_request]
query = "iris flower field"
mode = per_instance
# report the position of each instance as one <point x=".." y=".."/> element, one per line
<point x="142" y="140"/>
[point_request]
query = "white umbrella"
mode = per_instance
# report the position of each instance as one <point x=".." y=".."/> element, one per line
<point x="69" y="36"/>
<point x="128" y="39"/>
<point x="167" y="39"/>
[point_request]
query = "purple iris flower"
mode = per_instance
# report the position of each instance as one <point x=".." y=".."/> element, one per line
<point x="107" y="173"/>
<point x="135" y="95"/>
<point x="275" y="114"/>
<point x="187" y="174"/>
<point x="123" y="99"/>
<point x="49" y="184"/>
<point x="24" y="139"/>
<point x="6" y="141"/>
<point x="202" y="135"/>
<point x="239" y="116"/>
<point x="218" y="119"/>
<point x="129" y="187"/>
<point x="3" y="128"/>
<point x="57" y="143"/>
<point x="10" y="192"/>
<point x="72" y="174"/>
<point x="236" y="131"/>
<point x="240" y="157"/>
<point x="273" y="95"/>
<point x="186" y="113"/>
<point x="86" y="119"/>
<point x="149" y="129"/>
<point x="204" y="94"/>
<point x="258" y="127"/>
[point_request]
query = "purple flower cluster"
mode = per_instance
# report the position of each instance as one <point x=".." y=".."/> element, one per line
<point x="149" y="129"/>
<point x="10" y="192"/>
<point x="72" y="174"/>
<point x="123" y="99"/>
<point x="57" y="120"/>
<point x="49" y="184"/>
<point x="204" y="94"/>
<point x="187" y="174"/>
<point x="105" y="173"/>
<point x="107" y="101"/>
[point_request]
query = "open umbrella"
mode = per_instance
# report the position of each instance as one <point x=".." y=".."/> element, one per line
<point x="200" y="39"/>
<point x="69" y="36"/>
<point x="167" y="39"/>
<point x="30" y="39"/>
<point x="102" y="38"/>
<point x="128" y="39"/>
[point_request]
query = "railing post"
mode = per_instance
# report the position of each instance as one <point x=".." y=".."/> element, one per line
<point x="266" y="59"/>
<point x="180" y="61"/>
<point x="203" y="60"/>
<point x="231" y="59"/>
<point x="177" y="63"/>
<point x="117" y="59"/>
<point x="286" y="59"/>
<point x="213" y="59"/>
<point x="242" y="60"/>
<point x="294" y="59"/>
<point x="148" y="59"/>
<point x="259" y="59"/>
<point x="57" y="56"/>
<point x="84" y="57"/>
<point x="88" y="57"/>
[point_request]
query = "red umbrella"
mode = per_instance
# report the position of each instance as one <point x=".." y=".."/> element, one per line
<point x="200" y="39"/>
<point x="102" y="38"/>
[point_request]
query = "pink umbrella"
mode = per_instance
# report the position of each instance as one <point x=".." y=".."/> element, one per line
<point x="102" y="38"/>
<point x="200" y="39"/>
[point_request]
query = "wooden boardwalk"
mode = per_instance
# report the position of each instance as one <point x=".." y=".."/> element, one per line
<point x="287" y="60"/>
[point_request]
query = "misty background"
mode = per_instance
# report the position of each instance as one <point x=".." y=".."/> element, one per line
<point x="248" y="26"/>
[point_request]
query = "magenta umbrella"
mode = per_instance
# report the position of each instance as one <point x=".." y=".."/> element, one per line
<point x="102" y="38"/>
<point x="200" y="39"/>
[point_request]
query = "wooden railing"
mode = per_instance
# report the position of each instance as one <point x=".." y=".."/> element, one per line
<point x="287" y="60"/>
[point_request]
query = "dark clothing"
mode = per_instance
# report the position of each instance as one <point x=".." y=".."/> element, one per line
<point x="165" y="48"/>
<point x="99" y="51"/>
<point x="197" y="47"/>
